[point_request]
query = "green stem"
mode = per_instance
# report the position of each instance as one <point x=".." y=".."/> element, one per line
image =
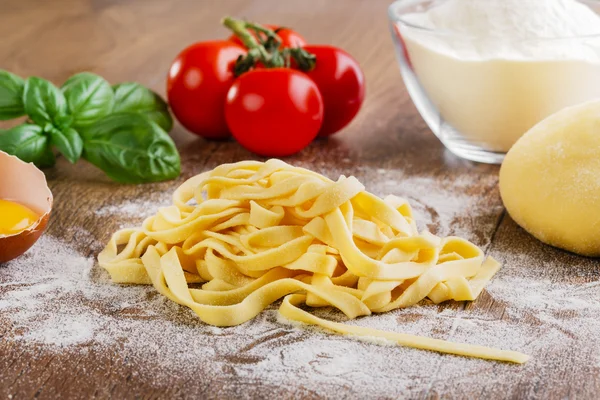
<point x="241" y="31"/>
<point x="261" y="29"/>
<point x="265" y="51"/>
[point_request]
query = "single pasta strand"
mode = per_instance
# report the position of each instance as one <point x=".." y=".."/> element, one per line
<point x="290" y="310"/>
<point x="255" y="233"/>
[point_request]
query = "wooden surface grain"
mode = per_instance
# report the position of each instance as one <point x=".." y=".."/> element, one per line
<point x="387" y="144"/>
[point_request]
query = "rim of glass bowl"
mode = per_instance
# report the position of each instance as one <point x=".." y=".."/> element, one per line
<point x="396" y="17"/>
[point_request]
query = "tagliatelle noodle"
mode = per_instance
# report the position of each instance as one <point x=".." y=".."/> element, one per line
<point x="256" y="232"/>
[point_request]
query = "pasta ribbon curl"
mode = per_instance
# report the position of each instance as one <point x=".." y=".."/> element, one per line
<point x="253" y="233"/>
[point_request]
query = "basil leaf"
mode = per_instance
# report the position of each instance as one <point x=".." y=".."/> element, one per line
<point x="44" y="103"/>
<point x="89" y="98"/>
<point x="133" y="97"/>
<point x="11" y="96"/>
<point x="47" y="159"/>
<point x="67" y="141"/>
<point x="131" y="149"/>
<point x="27" y="142"/>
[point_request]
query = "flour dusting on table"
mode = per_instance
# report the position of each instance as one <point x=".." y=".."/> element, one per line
<point x="135" y="208"/>
<point x="57" y="299"/>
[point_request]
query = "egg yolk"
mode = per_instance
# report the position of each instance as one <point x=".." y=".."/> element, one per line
<point x="15" y="217"/>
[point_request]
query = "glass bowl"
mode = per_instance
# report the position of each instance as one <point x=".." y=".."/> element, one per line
<point x="477" y="104"/>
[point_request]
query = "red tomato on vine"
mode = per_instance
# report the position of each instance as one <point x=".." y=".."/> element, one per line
<point x="197" y="85"/>
<point x="274" y="112"/>
<point x="341" y="83"/>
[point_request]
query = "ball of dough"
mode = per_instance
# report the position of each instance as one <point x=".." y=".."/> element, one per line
<point x="550" y="180"/>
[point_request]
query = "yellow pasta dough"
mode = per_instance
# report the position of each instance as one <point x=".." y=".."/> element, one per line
<point x="256" y="232"/>
<point x="549" y="180"/>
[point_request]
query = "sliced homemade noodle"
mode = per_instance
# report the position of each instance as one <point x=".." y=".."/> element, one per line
<point x="255" y="232"/>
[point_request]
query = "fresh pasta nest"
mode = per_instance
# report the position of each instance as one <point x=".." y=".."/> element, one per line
<point x="256" y="232"/>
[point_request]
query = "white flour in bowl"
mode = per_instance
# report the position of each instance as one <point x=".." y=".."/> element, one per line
<point x="508" y="29"/>
<point x="493" y="69"/>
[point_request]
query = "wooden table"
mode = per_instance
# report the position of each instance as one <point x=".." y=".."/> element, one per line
<point x="388" y="147"/>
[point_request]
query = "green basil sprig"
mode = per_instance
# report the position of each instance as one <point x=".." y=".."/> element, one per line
<point x="89" y="98"/>
<point x="121" y="129"/>
<point x="28" y="142"/>
<point x="133" y="97"/>
<point x="131" y="149"/>
<point x="44" y="103"/>
<point x="67" y="141"/>
<point x="11" y="96"/>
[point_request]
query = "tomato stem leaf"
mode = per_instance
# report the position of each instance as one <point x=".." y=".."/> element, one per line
<point x="240" y="29"/>
<point x="306" y="61"/>
<point x="264" y="46"/>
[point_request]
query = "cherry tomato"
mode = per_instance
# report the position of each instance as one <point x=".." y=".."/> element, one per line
<point x="197" y="85"/>
<point x="274" y="112"/>
<point x="342" y="85"/>
<point x="289" y="38"/>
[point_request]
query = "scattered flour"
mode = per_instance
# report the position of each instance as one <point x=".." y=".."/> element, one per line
<point x="135" y="209"/>
<point x="438" y="209"/>
<point x="59" y="299"/>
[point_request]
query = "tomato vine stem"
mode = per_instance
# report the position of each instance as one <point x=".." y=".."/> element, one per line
<point x="265" y="51"/>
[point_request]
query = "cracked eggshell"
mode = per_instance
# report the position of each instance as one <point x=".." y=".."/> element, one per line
<point x="25" y="184"/>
